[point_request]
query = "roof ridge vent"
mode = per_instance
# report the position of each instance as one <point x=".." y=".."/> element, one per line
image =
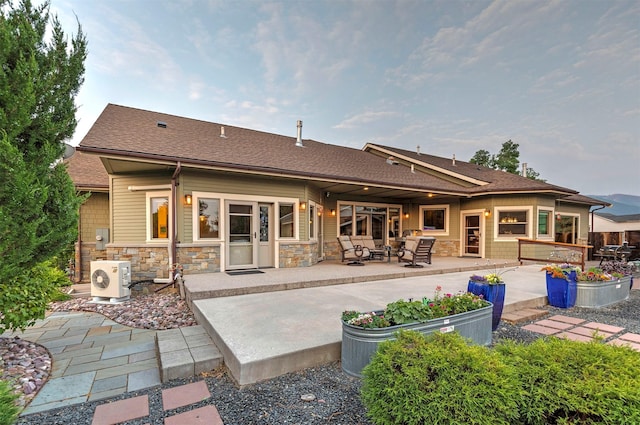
<point x="299" y="138"/>
<point x="222" y="132"/>
<point x="161" y="124"/>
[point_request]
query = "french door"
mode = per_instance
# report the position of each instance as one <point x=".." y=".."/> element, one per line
<point x="249" y="235"/>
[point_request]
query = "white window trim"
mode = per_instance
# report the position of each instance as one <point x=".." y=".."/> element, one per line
<point x="436" y="232"/>
<point x="552" y="224"/>
<point x="149" y="222"/>
<point x="496" y="222"/>
<point x="316" y="209"/>
<point x="568" y="214"/>
<point x="196" y="217"/>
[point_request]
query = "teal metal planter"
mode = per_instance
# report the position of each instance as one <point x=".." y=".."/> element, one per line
<point x="359" y="344"/>
<point x="600" y="294"/>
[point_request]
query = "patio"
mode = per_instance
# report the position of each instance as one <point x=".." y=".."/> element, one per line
<point x="283" y="320"/>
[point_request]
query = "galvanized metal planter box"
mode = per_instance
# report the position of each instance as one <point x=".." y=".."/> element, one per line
<point x="600" y="294"/>
<point x="359" y="345"/>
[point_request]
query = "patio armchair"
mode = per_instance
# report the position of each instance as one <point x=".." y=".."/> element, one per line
<point x="352" y="253"/>
<point x="416" y="250"/>
<point x="374" y="252"/>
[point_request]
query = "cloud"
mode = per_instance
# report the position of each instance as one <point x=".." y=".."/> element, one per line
<point x="364" y="118"/>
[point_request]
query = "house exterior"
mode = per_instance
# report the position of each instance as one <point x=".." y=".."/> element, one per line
<point x="214" y="198"/>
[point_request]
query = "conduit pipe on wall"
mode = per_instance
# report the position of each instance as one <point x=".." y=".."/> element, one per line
<point x="173" y="227"/>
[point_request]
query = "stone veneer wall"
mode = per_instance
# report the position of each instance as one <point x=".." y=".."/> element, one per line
<point x="147" y="262"/>
<point x="298" y="254"/>
<point x="199" y="259"/>
<point x="89" y="254"/>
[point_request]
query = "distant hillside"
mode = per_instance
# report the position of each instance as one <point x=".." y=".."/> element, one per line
<point x="622" y="204"/>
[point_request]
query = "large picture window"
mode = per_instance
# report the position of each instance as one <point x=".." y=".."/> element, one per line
<point x="434" y="218"/>
<point x="378" y="221"/>
<point x="513" y="223"/>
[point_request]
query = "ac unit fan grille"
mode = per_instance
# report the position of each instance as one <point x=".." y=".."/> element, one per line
<point x="100" y="279"/>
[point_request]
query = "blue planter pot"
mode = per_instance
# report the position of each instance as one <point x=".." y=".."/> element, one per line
<point x="561" y="292"/>
<point x="492" y="293"/>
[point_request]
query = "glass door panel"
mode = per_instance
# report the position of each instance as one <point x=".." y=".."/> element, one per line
<point x="241" y="236"/>
<point x="472" y="234"/>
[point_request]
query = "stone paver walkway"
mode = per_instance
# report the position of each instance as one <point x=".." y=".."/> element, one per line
<point x="172" y="398"/>
<point x="93" y="358"/>
<point x="581" y="330"/>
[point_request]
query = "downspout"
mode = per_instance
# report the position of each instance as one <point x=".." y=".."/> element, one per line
<point x="173" y="231"/>
<point x="592" y="234"/>
<point x="77" y="278"/>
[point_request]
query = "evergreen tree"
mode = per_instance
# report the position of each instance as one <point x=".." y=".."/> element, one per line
<point x="40" y="77"/>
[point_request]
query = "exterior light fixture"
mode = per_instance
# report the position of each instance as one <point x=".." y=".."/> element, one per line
<point x="365" y="188"/>
<point x="487" y="213"/>
<point x="406" y="215"/>
<point x="187" y="199"/>
<point x="333" y="212"/>
<point x="558" y="216"/>
<point x="303" y="206"/>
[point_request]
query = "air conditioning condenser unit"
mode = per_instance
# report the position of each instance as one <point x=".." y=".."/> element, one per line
<point x="110" y="280"/>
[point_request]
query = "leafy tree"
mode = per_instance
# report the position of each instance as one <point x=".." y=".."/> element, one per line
<point x="40" y="77"/>
<point x="508" y="159"/>
<point x="482" y="157"/>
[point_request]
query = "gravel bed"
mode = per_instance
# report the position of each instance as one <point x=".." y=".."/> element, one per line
<point x="336" y="395"/>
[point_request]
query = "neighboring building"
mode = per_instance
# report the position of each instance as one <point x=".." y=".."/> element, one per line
<point x="91" y="180"/>
<point x="214" y="198"/>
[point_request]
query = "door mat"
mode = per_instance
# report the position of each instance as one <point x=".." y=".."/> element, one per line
<point x="241" y="272"/>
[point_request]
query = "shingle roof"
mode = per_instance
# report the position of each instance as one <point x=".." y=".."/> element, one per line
<point x="130" y="132"/>
<point x="87" y="172"/>
<point x="496" y="181"/>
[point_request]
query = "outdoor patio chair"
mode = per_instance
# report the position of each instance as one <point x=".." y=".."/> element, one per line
<point x="416" y="250"/>
<point x="374" y="252"/>
<point x="352" y="253"/>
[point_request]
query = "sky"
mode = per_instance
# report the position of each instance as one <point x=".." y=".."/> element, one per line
<point x="559" y="78"/>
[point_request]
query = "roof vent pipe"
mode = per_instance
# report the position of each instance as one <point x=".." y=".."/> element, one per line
<point x="453" y="161"/>
<point x="418" y="149"/>
<point x="413" y="170"/>
<point x="222" y="132"/>
<point x="524" y="169"/>
<point x="299" y="138"/>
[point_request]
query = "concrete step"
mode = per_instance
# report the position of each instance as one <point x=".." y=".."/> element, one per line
<point x="186" y="352"/>
<point x="523" y="315"/>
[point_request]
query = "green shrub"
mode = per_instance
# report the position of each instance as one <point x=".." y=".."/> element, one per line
<point x="26" y="295"/>
<point x="569" y="382"/>
<point x="438" y="379"/>
<point x="8" y="408"/>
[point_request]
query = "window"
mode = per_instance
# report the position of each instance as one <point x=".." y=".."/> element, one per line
<point x="513" y="223"/>
<point x="158" y="214"/>
<point x="378" y="221"/>
<point x="312" y="220"/>
<point x="286" y="219"/>
<point x="208" y="218"/>
<point x="434" y="218"/>
<point x="545" y="223"/>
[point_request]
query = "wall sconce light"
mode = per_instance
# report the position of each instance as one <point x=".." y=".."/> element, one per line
<point x="319" y="213"/>
<point x="487" y="213"/>
<point x="558" y="216"/>
<point x="303" y="206"/>
<point x="333" y="212"/>
<point x="406" y="215"/>
<point x="187" y="199"/>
